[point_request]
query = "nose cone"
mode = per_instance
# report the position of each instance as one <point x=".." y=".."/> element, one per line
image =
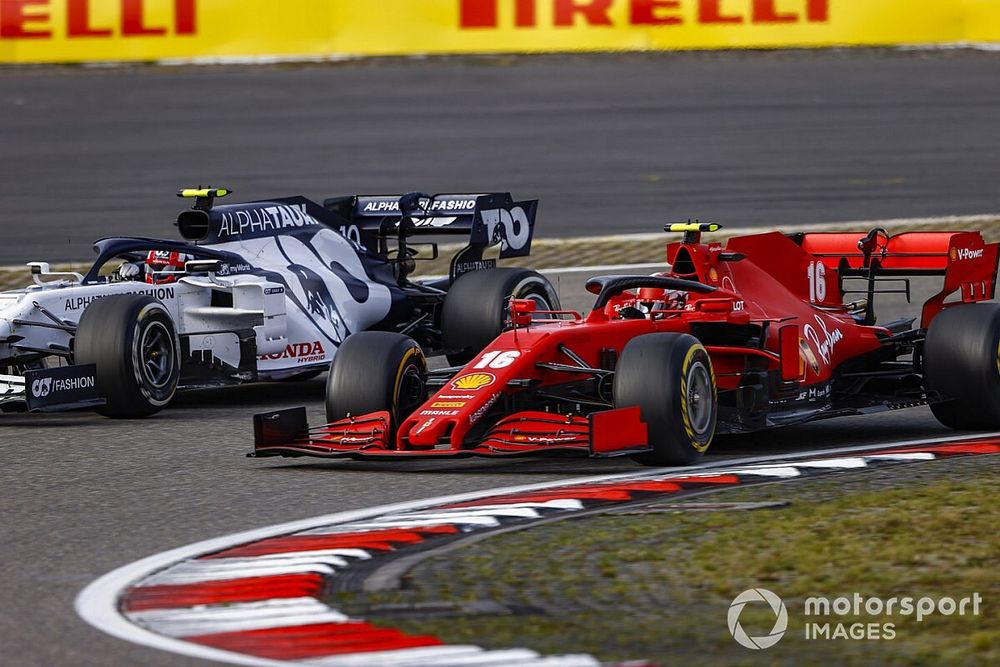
<point x="12" y="307"/>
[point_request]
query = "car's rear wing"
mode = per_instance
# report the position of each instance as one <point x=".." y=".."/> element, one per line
<point x="382" y="223"/>
<point x="438" y="214"/>
<point x="964" y="259"/>
<point x="488" y="219"/>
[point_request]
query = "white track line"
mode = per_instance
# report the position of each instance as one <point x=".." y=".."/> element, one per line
<point x="237" y="617"/>
<point x="917" y="456"/>
<point x="201" y="571"/>
<point x="649" y="266"/>
<point x="258" y="60"/>
<point x="97" y="604"/>
<point x="782" y="472"/>
<point x="948" y="220"/>
<point x="452" y="656"/>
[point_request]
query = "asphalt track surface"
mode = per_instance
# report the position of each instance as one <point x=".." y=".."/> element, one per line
<point x="82" y="495"/>
<point x="609" y="143"/>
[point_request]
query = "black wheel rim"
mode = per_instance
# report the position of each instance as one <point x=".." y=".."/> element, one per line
<point x="411" y="391"/>
<point x="156" y="354"/>
<point x="699" y="398"/>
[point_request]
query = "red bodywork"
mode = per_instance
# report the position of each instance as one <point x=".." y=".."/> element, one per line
<point x="771" y="311"/>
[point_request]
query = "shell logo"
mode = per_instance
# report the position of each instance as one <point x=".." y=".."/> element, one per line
<point x="473" y="381"/>
<point x="953" y="254"/>
<point x="713" y="275"/>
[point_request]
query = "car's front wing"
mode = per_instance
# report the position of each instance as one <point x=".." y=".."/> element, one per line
<point x="12" y="392"/>
<point x="57" y="389"/>
<point x="601" y="434"/>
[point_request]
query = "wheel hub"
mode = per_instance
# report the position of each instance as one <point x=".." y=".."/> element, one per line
<point x="156" y="356"/>
<point x="699" y="398"/>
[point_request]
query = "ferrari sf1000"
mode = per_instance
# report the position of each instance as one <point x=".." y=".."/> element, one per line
<point x="768" y="330"/>
<point x="258" y="291"/>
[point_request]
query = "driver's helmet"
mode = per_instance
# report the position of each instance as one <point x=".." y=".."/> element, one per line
<point x="165" y="266"/>
<point x="649" y="299"/>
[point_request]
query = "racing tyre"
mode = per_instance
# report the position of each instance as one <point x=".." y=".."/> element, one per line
<point x="962" y="361"/>
<point x="476" y="309"/>
<point x="669" y="376"/>
<point x="132" y="340"/>
<point x="374" y="371"/>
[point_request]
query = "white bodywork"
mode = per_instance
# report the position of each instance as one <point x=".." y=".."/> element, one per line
<point x="314" y="332"/>
<point x="298" y="325"/>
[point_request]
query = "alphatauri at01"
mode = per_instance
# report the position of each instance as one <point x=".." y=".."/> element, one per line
<point x="259" y="291"/>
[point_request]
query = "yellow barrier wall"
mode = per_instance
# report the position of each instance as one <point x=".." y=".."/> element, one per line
<point x="33" y="31"/>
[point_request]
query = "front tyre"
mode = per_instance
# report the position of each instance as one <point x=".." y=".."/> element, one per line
<point x="476" y="308"/>
<point x="375" y="371"/>
<point x="962" y="361"/>
<point x="670" y="377"/>
<point x="132" y="340"/>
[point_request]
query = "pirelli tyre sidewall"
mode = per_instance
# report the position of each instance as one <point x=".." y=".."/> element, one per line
<point x="476" y="307"/>
<point x="133" y="342"/>
<point x="961" y="360"/>
<point x="670" y="377"/>
<point x="375" y="371"/>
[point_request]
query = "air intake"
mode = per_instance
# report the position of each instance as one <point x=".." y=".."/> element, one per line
<point x="194" y="225"/>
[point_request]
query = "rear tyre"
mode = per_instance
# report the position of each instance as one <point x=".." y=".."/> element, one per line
<point x="375" y="371"/>
<point x="962" y="361"/>
<point x="132" y="340"/>
<point x="669" y="376"/>
<point x="476" y="308"/>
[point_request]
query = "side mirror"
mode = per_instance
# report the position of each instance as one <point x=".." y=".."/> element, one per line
<point x="521" y="311"/>
<point x="42" y="269"/>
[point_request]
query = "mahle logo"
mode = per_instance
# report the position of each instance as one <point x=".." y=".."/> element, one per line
<point x="780" y="623"/>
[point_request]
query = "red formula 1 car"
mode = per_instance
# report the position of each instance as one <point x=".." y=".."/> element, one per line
<point x="768" y="330"/>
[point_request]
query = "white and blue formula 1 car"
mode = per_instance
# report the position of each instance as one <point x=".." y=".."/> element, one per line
<point x="259" y="291"/>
